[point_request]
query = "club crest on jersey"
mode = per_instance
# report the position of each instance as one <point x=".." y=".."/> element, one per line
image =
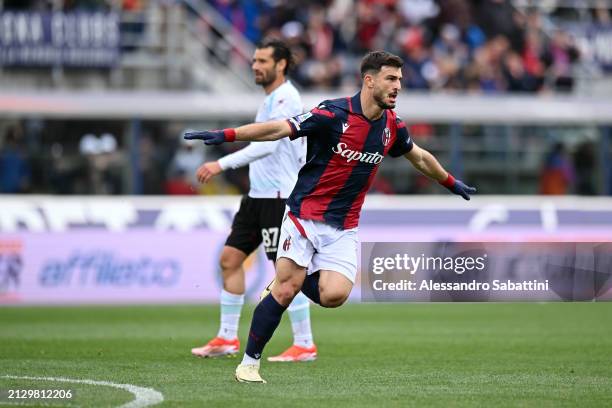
<point x="287" y="244"/>
<point x="386" y="136"/>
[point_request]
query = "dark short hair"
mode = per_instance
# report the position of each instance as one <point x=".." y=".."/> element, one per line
<point x="375" y="60"/>
<point x="280" y="51"/>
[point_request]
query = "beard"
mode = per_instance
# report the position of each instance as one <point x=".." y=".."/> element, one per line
<point x="379" y="98"/>
<point x="267" y="77"/>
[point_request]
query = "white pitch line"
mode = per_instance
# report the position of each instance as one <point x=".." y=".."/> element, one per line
<point x="143" y="397"/>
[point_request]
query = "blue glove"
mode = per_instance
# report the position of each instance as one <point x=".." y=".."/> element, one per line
<point x="458" y="187"/>
<point x="212" y="137"/>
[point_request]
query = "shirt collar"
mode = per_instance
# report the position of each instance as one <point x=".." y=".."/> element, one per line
<point x="355" y="104"/>
<point x="287" y="82"/>
<point x="355" y="107"/>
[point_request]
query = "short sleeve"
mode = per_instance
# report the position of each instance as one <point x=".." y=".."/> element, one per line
<point x="403" y="143"/>
<point x="310" y="123"/>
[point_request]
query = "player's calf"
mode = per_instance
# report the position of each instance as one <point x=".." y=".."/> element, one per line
<point x="231" y="269"/>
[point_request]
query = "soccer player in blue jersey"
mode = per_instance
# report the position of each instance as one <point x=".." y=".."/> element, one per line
<point x="347" y="140"/>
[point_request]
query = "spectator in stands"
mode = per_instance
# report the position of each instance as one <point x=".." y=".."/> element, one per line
<point x="533" y="54"/>
<point x="104" y="163"/>
<point x="186" y="161"/>
<point x="322" y="69"/>
<point x="368" y="23"/>
<point x="487" y="64"/>
<point x="133" y="28"/>
<point x="455" y="12"/>
<point x="66" y="175"/>
<point x="418" y="11"/>
<point x="14" y="166"/>
<point x="516" y="77"/>
<point x="448" y="44"/>
<point x="420" y="72"/>
<point x="557" y="176"/>
<point x="151" y="165"/>
<point x="602" y="13"/>
<point x="233" y="13"/>
<point x="179" y="183"/>
<point x="450" y="55"/>
<point x="584" y="163"/>
<point x="563" y="53"/>
<point x="499" y="18"/>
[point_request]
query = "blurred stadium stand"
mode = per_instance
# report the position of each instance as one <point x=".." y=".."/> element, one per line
<point x="487" y="46"/>
<point x="162" y="45"/>
<point x="176" y="64"/>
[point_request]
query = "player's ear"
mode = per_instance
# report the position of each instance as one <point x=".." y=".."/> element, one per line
<point x="281" y="65"/>
<point x="368" y="80"/>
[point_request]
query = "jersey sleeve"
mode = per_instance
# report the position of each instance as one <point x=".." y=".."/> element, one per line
<point x="403" y="143"/>
<point x="310" y="123"/>
<point x="249" y="154"/>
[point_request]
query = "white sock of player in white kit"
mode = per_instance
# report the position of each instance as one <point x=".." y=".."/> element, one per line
<point x="299" y="314"/>
<point x="231" y="306"/>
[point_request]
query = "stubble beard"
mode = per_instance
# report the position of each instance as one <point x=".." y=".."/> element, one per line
<point x="379" y="99"/>
<point x="266" y="78"/>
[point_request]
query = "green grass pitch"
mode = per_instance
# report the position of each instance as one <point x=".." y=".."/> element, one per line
<point x="446" y="355"/>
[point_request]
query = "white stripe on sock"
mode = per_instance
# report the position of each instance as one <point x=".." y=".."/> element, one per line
<point x="231" y="306"/>
<point x="302" y="333"/>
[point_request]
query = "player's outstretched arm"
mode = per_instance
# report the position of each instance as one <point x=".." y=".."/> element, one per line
<point x="427" y="164"/>
<point x="254" y="132"/>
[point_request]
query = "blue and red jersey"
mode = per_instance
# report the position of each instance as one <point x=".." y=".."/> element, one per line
<point x="344" y="151"/>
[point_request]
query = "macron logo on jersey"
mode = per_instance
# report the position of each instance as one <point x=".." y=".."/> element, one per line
<point x="344" y="127"/>
<point x="350" y="155"/>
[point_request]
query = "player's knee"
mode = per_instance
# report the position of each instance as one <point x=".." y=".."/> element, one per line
<point x="332" y="298"/>
<point x="229" y="262"/>
<point x="333" y="290"/>
<point x="285" y="292"/>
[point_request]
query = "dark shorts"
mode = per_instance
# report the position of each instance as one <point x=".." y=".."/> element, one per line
<point x="257" y="221"/>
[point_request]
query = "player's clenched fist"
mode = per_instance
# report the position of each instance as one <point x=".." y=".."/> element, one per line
<point x="212" y="137"/>
<point x="207" y="171"/>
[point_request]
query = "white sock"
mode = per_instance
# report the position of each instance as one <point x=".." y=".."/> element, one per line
<point x="248" y="360"/>
<point x="231" y="306"/>
<point x="299" y="314"/>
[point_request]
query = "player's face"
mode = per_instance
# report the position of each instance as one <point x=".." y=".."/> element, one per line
<point x="264" y="66"/>
<point x="387" y="84"/>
